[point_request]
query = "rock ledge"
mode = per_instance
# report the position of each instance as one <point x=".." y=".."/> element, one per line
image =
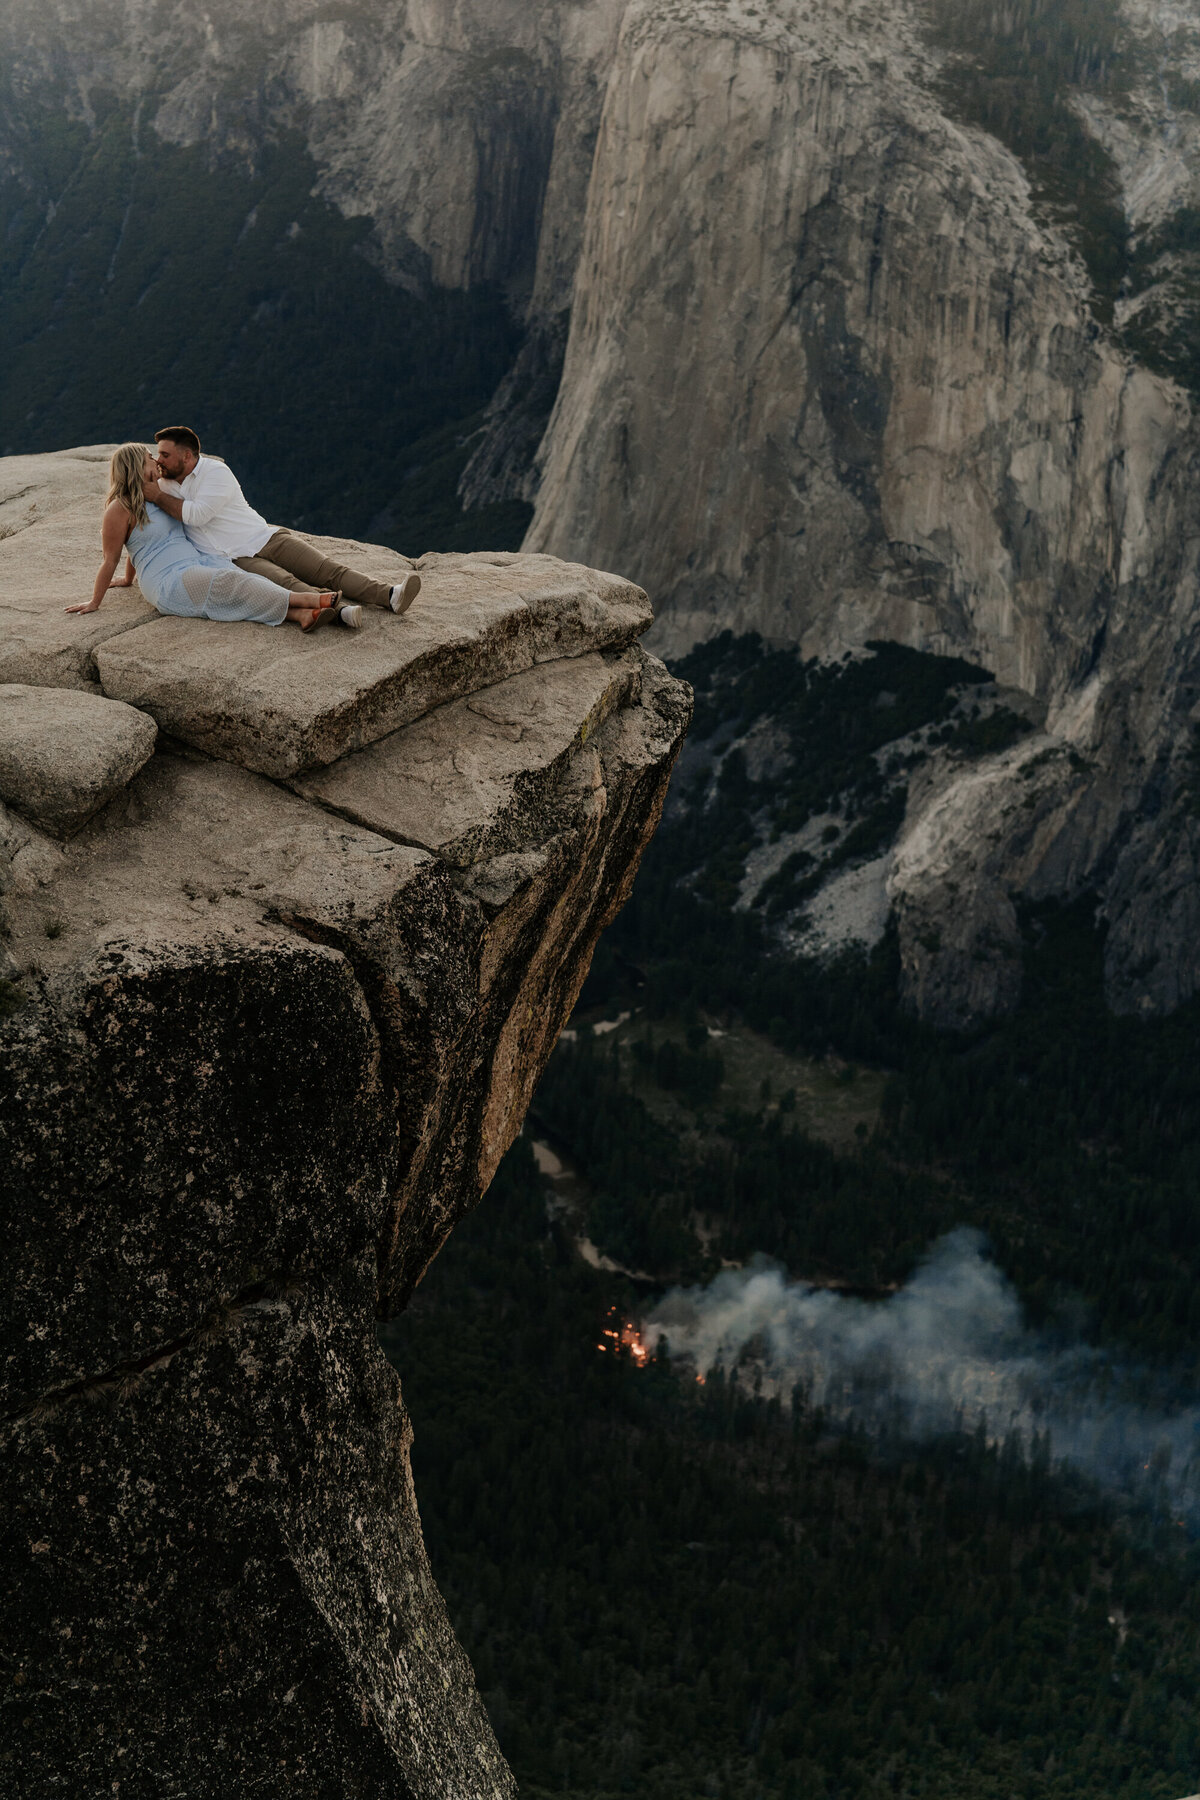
<point x="262" y="1043"/>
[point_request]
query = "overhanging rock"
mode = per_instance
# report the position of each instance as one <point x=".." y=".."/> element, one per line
<point x="261" y="1046"/>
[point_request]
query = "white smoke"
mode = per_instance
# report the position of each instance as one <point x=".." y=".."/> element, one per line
<point x="950" y="1351"/>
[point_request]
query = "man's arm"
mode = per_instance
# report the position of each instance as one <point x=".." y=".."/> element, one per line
<point x="170" y="503"/>
<point x="213" y="487"/>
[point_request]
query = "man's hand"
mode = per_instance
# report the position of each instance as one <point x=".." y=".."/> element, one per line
<point x="88" y="606"/>
<point x="171" y="504"/>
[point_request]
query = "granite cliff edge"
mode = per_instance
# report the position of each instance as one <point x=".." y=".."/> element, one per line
<point x="291" y="927"/>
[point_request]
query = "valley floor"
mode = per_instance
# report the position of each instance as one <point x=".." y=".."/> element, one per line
<point x="682" y="1589"/>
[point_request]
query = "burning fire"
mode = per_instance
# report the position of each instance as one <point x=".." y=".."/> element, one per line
<point x="624" y="1337"/>
<point x="628" y="1337"/>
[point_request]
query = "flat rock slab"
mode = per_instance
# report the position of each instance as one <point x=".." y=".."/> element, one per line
<point x="50" y="509"/>
<point x="280" y="701"/>
<point x="63" y="755"/>
<point x="469" y="780"/>
<point x="276" y="700"/>
<point x="36" y="487"/>
<point x="202" y="851"/>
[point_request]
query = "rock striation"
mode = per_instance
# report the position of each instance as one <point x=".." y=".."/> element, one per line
<point x="271" y="1016"/>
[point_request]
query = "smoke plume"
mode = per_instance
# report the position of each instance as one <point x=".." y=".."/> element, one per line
<point x="950" y="1351"/>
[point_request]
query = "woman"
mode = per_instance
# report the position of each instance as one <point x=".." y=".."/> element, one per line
<point x="176" y="577"/>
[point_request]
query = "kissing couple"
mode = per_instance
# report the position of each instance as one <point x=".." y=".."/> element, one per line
<point x="200" y="551"/>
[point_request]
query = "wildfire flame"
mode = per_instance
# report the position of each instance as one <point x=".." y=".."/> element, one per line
<point x="625" y="1336"/>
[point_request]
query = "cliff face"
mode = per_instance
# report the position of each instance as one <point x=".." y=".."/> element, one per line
<point x="462" y="129"/>
<point x="447" y="122"/>
<point x="832" y="369"/>
<point x="888" y="412"/>
<point x="271" y="1017"/>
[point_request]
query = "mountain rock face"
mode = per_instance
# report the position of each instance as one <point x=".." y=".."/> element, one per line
<point x="269" y="1018"/>
<point x="888" y="413"/>
<point x="462" y="129"/>
<point x="833" y="367"/>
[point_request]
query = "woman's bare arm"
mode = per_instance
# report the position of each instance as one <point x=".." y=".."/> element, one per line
<point x="116" y="528"/>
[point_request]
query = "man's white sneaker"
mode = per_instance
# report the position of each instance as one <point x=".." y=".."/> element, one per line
<point x="404" y="593"/>
<point x="351" y="616"/>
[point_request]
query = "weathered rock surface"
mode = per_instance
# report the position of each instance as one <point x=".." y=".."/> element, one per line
<point x="972" y="845"/>
<point x="829" y="375"/>
<point x="888" y="412"/>
<point x="275" y="699"/>
<point x="49" y="549"/>
<point x="470" y="780"/>
<point x="280" y="701"/>
<point x="283" y="701"/>
<point x="266" y="1050"/>
<point x="245" y="1557"/>
<point x="63" y="755"/>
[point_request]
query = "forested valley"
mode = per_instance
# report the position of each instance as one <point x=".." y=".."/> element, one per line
<point x="678" y="1589"/>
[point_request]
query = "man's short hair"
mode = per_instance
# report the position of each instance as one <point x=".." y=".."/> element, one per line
<point x="180" y="434"/>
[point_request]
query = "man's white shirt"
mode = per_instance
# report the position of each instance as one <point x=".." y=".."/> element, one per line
<point x="216" y="514"/>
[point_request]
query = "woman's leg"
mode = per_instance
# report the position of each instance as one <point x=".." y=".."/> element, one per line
<point x="303" y="608"/>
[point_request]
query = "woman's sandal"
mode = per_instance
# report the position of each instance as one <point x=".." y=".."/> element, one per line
<point x="322" y="612"/>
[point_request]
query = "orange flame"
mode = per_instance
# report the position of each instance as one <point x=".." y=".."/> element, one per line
<point x="625" y="1336"/>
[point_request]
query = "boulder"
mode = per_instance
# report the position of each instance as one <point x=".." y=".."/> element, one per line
<point x="63" y="754"/>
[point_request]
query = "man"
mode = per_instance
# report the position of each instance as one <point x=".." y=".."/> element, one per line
<point x="205" y="494"/>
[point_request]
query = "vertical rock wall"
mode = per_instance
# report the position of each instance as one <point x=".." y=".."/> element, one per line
<point x="829" y="375"/>
<point x="887" y="411"/>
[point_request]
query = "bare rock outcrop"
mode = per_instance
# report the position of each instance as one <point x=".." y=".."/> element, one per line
<point x="265" y="1037"/>
<point x="888" y="411"/>
<point x="463" y="129"/>
<point x="972" y="846"/>
<point x="64" y="755"/>
<point x="828" y="371"/>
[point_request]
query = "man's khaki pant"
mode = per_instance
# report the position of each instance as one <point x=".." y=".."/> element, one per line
<point x="297" y="566"/>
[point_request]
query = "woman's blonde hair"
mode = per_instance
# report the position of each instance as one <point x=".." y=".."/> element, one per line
<point x="125" y="479"/>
